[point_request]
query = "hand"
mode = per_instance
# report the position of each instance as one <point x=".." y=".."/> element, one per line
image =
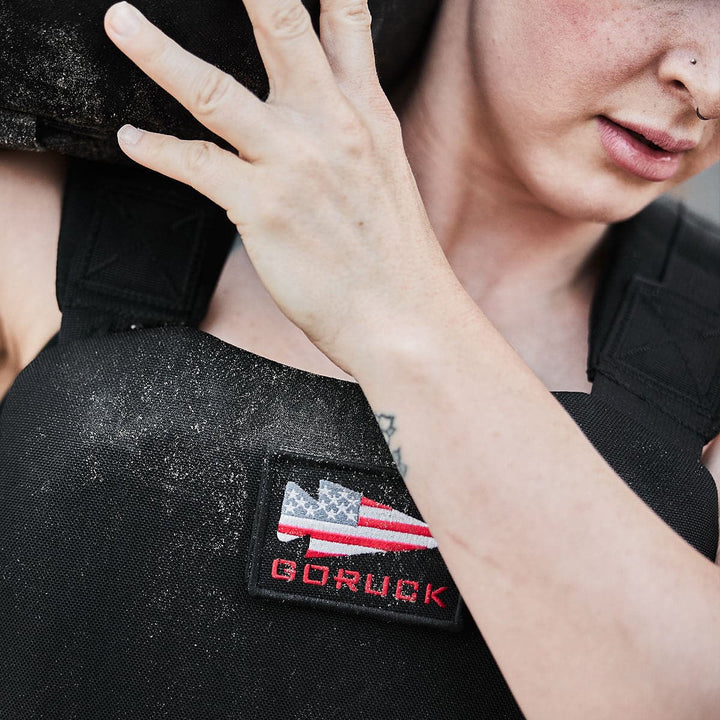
<point x="321" y="190"/>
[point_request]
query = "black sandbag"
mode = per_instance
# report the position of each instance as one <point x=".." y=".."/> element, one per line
<point x="64" y="86"/>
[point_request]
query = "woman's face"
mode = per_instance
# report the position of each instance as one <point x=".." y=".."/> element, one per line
<point x="591" y="104"/>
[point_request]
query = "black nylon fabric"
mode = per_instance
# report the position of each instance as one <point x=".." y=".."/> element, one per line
<point x="136" y="249"/>
<point x="65" y="87"/>
<point x="655" y="327"/>
<point x="124" y="544"/>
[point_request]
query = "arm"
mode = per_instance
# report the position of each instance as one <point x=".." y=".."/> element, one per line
<point x="31" y="192"/>
<point x="591" y="605"/>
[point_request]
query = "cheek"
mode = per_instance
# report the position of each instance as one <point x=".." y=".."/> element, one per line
<point x="709" y="156"/>
<point x="557" y="54"/>
<point x="580" y="18"/>
<point x="587" y="47"/>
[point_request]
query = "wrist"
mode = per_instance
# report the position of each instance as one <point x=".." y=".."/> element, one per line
<point x="413" y="336"/>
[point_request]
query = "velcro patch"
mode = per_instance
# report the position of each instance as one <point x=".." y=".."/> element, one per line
<point x="349" y="538"/>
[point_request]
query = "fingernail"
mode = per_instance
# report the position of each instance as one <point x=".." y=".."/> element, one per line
<point x="125" y="19"/>
<point x="129" y="134"/>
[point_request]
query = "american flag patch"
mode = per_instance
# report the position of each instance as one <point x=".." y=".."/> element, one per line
<point x="344" y="522"/>
<point x="347" y="536"/>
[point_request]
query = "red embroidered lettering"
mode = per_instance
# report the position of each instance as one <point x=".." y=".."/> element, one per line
<point x="288" y="571"/>
<point x="399" y="590"/>
<point x="347" y="577"/>
<point x="369" y="588"/>
<point x="431" y="594"/>
<point x="309" y="581"/>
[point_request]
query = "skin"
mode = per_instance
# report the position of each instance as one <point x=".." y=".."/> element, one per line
<point x="521" y="138"/>
<point x="441" y="233"/>
<point x="31" y="200"/>
<point x="625" y="60"/>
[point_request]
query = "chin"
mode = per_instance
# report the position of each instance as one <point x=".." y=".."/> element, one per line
<point x="605" y="198"/>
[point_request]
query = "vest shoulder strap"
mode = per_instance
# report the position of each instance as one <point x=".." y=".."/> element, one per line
<point x="655" y="324"/>
<point x="136" y="249"/>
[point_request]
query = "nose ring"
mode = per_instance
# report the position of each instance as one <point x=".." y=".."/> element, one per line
<point x="693" y="61"/>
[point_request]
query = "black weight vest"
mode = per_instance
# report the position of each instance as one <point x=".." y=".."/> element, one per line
<point x="149" y="472"/>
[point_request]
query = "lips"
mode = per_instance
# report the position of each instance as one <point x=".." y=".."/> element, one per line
<point x="649" y="154"/>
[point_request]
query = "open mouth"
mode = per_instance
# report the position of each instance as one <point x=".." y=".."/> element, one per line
<point x="642" y="139"/>
<point x="638" y="137"/>
<point x="635" y="153"/>
<point x="654" y="138"/>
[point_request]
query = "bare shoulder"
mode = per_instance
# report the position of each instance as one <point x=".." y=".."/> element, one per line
<point x="711" y="460"/>
<point x="31" y="192"/>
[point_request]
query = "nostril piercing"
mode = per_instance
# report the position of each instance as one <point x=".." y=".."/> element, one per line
<point x="693" y="61"/>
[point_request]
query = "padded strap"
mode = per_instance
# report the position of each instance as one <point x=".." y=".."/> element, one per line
<point x="655" y="329"/>
<point x="136" y="249"/>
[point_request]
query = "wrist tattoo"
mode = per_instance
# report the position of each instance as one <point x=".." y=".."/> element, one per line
<point x="388" y="427"/>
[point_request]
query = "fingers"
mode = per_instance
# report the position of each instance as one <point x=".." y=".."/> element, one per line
<point x="215" y="98"/>
<point x="212" y="171"/>
<point x="297" y="68"/>
<point x="345" y="30"/>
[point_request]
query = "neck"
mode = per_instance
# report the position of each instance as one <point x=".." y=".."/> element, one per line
<point x="496" y="235"/>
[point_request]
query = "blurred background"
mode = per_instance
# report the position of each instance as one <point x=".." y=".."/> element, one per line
<point x="702" y="193"/>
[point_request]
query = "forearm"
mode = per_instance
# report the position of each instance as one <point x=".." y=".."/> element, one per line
<point x="31" y="194"/>
<point x="592" y="606"/>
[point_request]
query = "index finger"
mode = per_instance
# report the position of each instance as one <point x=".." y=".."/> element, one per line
<point x="214" y="97"/>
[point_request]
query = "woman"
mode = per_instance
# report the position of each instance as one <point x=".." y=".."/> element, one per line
<point x="524" y="139"/>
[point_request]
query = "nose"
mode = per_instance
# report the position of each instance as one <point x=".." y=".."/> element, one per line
<point x="693" y="70"/>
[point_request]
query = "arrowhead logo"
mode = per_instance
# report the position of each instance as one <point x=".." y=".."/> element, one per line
<point x="361" y="526"/>
<point x="343" y="522"/>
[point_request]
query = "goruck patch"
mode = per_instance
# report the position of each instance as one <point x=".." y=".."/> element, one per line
<point x="349" y="538"/>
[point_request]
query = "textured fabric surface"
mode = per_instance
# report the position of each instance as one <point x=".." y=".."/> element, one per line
<point x="129" y="492"/>
<point x="129" y="496"/>
<point x="64" y="86"/>
<point x="136" y="249"/>
<point x="655" y="327"/>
